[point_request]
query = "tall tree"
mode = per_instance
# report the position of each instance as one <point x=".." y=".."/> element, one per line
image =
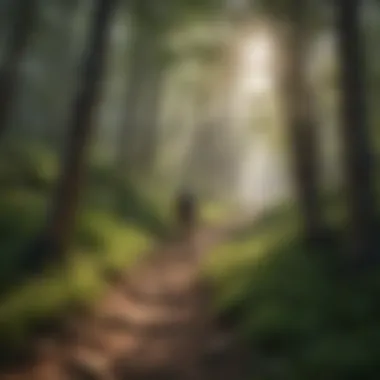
<point x="62" y="220"/>
<point x="302" y="122"/>
<point x="139" y="54"/>
<point x="149" y="123"/>
<point x="295" y="17"/>
<point x="355" y="131"/>
<point x="22" y="22"/>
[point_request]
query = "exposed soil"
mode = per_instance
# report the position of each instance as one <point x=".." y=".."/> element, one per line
<point x="153" y="323"/>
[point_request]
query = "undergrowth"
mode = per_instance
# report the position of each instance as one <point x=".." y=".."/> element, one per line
<point x="303" y="316"/>
<point x="117" y="221"/>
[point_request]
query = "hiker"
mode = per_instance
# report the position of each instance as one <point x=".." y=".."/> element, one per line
<point x="186" y="212"/>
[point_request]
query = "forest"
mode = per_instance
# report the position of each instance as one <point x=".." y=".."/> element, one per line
<point x="189" y="189"/>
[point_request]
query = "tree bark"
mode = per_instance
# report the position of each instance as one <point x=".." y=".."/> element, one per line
<point x="146" y="144"/>
<point x="302" y="127"/>
<point x="24" y="15"/>
<point x="358" y="163"/>
<point x="60" y="229"/>
<point x="129" y="130"/>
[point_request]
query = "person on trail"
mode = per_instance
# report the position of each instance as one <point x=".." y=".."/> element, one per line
<point x="186" y="211"/>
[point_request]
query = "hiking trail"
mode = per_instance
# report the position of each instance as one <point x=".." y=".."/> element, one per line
<point x="153" y="322"/>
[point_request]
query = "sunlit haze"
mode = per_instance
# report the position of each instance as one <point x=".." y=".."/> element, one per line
<point x="257" y="62"/>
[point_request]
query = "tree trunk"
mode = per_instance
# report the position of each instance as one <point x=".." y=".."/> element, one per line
<point x="62" y="221"/>
<point x="24" y="14"/>
<point x="355" y="132"/>
<point x="129" y="131"/>
<point x="302" y="127"/>
<point x="150" y="122"/>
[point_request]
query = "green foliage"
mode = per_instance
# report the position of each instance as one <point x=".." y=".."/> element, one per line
<point x="299" y="308"/>
<point x="140" y="210"/>
<point x="103" y="239"/>
<point x="34" y="171"/>
<point x="107" y="237"/>
<point x="162" y="15"/>
<point x="102" y="242"/>
<point x="312" y="14"/>
<point x="21" y="216"/>
<point x="27" y="165"/>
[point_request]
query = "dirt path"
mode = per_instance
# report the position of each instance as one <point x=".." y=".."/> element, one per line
<point x="153" y="323"/>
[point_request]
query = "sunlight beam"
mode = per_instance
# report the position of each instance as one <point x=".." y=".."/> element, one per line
<point x="257" y="58"/>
